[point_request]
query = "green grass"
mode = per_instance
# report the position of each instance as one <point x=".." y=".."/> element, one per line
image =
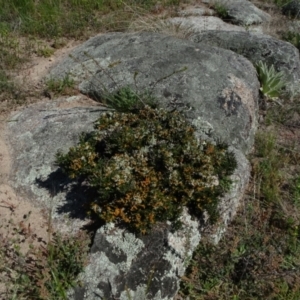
<point x="259" y="255"/>
<point x="11" y="57"/>
<point x="221" y="10"/>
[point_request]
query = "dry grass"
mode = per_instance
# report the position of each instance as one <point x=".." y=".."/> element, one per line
<point x="159" y="25"/>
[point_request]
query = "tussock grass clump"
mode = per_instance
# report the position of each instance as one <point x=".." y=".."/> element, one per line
<point x="146" y="164"/>
<point x="267" y="166"/>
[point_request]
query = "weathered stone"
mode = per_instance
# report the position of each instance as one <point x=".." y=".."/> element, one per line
<point x="214" y="86"/>
<point x="242" y="12"/>
<point x="183" y="76"/>
<point x="200" y="24"/>
<point x="146" y="267"/>
<point x="121" y="262"/>
<point x="257" y="47"/>
<point x="231" y="201"/>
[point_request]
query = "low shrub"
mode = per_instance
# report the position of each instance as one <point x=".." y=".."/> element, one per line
<point x="146" y="164"/>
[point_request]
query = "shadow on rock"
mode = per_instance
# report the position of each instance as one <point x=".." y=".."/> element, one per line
<point x="73" y="196"/>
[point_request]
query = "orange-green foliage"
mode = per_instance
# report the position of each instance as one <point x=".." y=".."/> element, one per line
<point x="146" y="165"/>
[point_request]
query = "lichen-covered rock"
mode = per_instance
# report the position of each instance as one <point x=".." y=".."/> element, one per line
<point x="292" y="9"/>
<point x="120" y="262"/>
<point x="196" y="24"/>
<point x="257" y="47"/>
<point x="147" y="267"/>
<point x="216" y="89"/>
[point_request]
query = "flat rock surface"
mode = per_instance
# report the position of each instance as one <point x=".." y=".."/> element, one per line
<point x="215" y="88"/>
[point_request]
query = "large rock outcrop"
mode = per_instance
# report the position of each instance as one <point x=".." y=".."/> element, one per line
<point x="121" y="262"/>
<point x="216" y="89"/>
<point x="210" y="78"/>
<point x="35" y="134"/>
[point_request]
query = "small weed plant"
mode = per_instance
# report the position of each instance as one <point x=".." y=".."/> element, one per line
<point x="271" y="81"/>
<point x="45" y="51"/>
<point x="146" y="164"/>
<point x="60" y="86"/>
<point x="126" y="100"/>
